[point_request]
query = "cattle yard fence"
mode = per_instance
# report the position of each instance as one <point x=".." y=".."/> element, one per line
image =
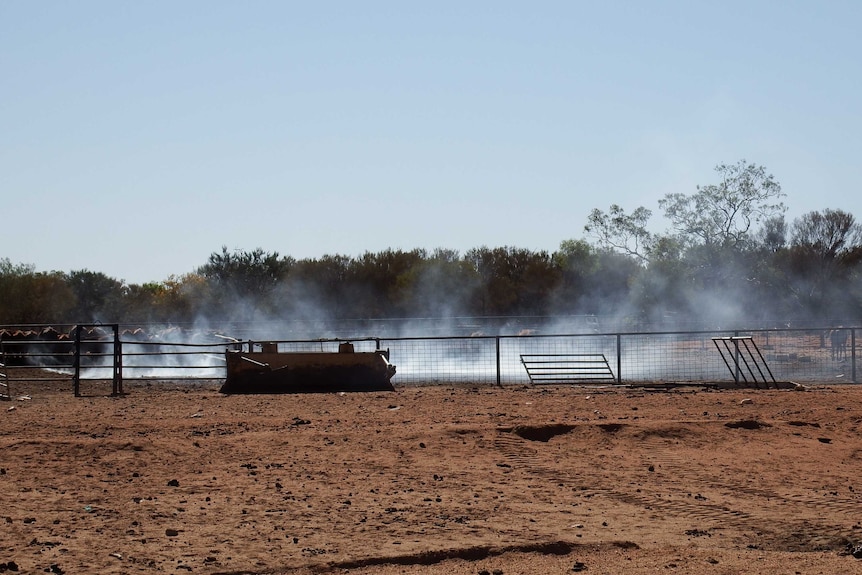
<point x="110" y="354"/>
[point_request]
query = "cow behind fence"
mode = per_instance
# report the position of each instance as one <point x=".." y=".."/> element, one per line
<point x="838" y="344"/>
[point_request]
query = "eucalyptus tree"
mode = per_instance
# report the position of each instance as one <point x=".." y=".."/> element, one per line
<point x="824" y="260"/>
<point x="242" y="283"/>
<point x="704" y="261"/>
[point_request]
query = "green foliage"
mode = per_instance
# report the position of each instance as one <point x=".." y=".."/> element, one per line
<point x="30" y="297"/>
<point x="623" y="232"/>
<point x="724" y="213"/>
<point x="97" y="296"/>
<point x="728" y="254"/>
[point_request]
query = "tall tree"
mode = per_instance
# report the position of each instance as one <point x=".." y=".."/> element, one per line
<point x="725" y="213"/>
<point x="242" y="283"/>
<point x="98" y="296"/>
<point x="825" y="253"/>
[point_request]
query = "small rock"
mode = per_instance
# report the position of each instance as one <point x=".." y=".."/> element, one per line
<point x="579" y="566"/>
<point x="173" y="483"/>
<point x="171" y="532"/>
<point x="746" y="401"/>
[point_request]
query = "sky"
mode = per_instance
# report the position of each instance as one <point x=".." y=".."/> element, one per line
<point x="138" y="138"/>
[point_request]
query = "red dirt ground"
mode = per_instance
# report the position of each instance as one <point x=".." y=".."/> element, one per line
<point x="457" y="480"/>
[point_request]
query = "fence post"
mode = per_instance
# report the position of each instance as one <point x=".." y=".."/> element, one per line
<point x="853" y="354"/>
<point x="619" y="359"/>
<point x="76" y="362"/>
<point x="499" y="379"/>
<point x="118" y="362"/>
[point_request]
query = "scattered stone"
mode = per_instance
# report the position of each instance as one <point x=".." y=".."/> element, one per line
<point x="651" y="468"/>
<point x="579" y="566"/>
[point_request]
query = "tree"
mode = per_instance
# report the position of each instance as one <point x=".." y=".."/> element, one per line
<point x="242" y="283"/>
<point x="773" y="234"/>
<point x="97" y="295"/>
<point x="379" y="281"/>
<point x="441" y="285"/>
<point x="622" y="232"/>
<point x="513" y="280"/>
<point x="724" y="213"/>
<point x="30" y="297"/>
<point x="825" y="252"/>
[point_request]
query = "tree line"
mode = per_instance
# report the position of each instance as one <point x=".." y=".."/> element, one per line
<point x="728" y="255"/>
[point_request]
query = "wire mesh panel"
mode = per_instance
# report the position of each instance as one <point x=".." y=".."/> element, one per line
<point x="670" y="357"/>
<point x="806" y="355"/>
<point x="444" y="360"/>
<point x="817" y="355"/>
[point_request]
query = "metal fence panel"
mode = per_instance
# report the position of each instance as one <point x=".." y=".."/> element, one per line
<point x="813" y="355"/>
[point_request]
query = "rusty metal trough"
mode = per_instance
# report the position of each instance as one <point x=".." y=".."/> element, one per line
<point x="271" y="371"/>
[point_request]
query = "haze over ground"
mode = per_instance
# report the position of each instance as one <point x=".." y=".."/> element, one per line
<point x="137" y="139"/>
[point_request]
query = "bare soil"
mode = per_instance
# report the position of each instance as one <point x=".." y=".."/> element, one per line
<point x="173" y="478"/>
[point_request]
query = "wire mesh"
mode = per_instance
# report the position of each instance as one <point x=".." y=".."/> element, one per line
<point x="821" y="355"/>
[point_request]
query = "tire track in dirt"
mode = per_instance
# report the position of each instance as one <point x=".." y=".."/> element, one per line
<point x="808" y="532"/>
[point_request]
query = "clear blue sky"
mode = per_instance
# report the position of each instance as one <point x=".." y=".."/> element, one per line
<point x="136" y="138"/>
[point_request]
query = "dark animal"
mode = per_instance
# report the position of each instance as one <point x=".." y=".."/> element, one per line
<point x="838" y="344"/>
